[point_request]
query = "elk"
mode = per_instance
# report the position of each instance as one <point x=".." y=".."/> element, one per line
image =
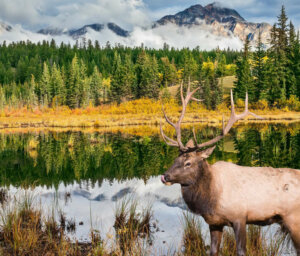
<point x="226" y="194"/>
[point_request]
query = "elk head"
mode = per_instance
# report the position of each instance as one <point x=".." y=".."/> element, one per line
<point x="191" y="161"/>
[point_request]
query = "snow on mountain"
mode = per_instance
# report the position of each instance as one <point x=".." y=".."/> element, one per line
<point x="219" y="20"/>
<point x="208" y="27"/>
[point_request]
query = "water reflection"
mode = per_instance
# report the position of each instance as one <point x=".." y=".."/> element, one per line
<point x="51" y="158"/>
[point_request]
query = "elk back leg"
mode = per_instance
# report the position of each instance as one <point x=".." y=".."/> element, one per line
<point x="292" y="222"/>
<point x="215" y="238"/>
<point x="239" y="228"/>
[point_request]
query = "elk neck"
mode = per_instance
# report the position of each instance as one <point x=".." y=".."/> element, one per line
<point x="199" y="196"/>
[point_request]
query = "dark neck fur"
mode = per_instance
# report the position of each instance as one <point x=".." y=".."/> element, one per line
<point x="199" y="195"/>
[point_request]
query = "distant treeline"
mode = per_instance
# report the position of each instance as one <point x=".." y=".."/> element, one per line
<point x="48" y="75"/>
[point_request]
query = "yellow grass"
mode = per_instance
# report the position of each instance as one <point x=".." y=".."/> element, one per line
<point x="134" y="113"/>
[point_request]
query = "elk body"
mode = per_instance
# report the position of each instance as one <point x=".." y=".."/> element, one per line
<point x="226" y="194"/>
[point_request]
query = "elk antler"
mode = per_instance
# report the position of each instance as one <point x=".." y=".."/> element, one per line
<point x="185" y="101"/>
<point x="225" y="129"/>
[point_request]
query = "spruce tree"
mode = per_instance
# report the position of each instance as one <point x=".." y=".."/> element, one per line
<point x="244" y="76"/>
<point x="117" y="89"/>
<point x="45" y="86"/>
<point x="96" y="87"/>
<point x="169" y="72"/>
<point x="190" y="67"/>
<point x="74" y="80"/>
<point x="147" y="76"/>
<point x="259" y="71"/>
<point x="293" y="63"/>
<point x="58" y="86"/>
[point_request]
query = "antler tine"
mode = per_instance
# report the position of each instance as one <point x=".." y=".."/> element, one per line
<point x="189" y="86"/>
<point x="194" y="99"/>
<point x="232" y="102"/>
<point x="233" y="119"/>
<point x="167" y="119"/>
<point x="195" y="138"/>
<point x="223" y="125"/>
<point x="167" y="139"/>
<point x="181" y="92"/>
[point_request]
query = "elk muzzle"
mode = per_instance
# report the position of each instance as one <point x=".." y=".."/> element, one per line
<point x="165" y="179"/>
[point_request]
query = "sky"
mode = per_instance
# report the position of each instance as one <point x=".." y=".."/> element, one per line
<point x="29" y="16"/>
<point x="36" y="14"/>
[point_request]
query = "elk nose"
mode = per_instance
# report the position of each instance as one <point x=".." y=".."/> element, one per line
<point x="167" y="177"/>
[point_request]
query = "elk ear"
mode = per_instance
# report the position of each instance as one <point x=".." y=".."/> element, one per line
<point x="190" y="144"/>
<point x="206" y="153"/>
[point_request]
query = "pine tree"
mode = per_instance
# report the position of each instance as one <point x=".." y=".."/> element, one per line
<point x="45" y="86"/>
<point x="96" y="86"/>
<point x="292" y="63"/>
<point x="58" y="87"/>
<point x="33" y="99"/>
<point x="259" y="71"/>
<point x="278" y="64"/>
<point x="212" y="89"/>
<point x="84" y="86"/>
<point x="74" y="80"/>
<point x="244" y="76"/>
<point x="169" y="72"/>
<point x="190" y="67"/>
<point x="117" y="86"/>
<point x="147" y="76"/>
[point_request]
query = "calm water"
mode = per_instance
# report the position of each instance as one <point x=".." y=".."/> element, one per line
<point x="98" y="170"/>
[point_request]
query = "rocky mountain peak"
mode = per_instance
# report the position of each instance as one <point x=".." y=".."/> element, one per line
<point x="220" y="20"/>
<point x="222" y="14"/>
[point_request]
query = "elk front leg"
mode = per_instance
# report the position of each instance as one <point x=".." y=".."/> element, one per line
<point x="215" y="238"/>
<point x="239" y="228"/>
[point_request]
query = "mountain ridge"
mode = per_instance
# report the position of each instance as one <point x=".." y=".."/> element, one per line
<point x="79" y="32"/>
<point x="212" y="20"/>
<point x="222" y="20"/>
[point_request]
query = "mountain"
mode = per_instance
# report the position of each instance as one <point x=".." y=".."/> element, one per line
<point x="4" y="27"/>
<point x="207" y="26"/>
<point x="80" y="32"/>
<point x="221" y="21"/>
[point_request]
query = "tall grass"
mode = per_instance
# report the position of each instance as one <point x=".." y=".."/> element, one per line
<point x="257" y="242"/>
<point x="25" y="231"/>
<point x="193" y="237"/>
<point x="137" y="112"/>
<point x="132" y="227"/>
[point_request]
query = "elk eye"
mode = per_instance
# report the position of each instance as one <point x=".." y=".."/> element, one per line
<point x="188" y="164"/>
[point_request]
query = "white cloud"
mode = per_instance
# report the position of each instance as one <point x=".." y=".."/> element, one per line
<point x="71" y="14"/>
<point x="171" y="34"/>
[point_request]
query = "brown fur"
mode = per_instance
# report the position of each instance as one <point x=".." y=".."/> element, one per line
<point x="226" y="194"/>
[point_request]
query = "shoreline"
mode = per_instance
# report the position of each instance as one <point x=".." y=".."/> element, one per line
<point x="139" y="129"/>
<point x="110" y="121"/>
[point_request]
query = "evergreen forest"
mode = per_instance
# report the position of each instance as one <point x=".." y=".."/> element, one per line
<point x="90" y="74"/>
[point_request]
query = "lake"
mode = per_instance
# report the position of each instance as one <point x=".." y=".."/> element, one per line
<point x="87" y="174"/>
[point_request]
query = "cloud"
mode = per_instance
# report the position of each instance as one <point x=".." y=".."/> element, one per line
<point x="180" y="37"/>
<point x="174" y="36"/>
<point x="37" y="14"/>
<point x="133" y="15"/>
